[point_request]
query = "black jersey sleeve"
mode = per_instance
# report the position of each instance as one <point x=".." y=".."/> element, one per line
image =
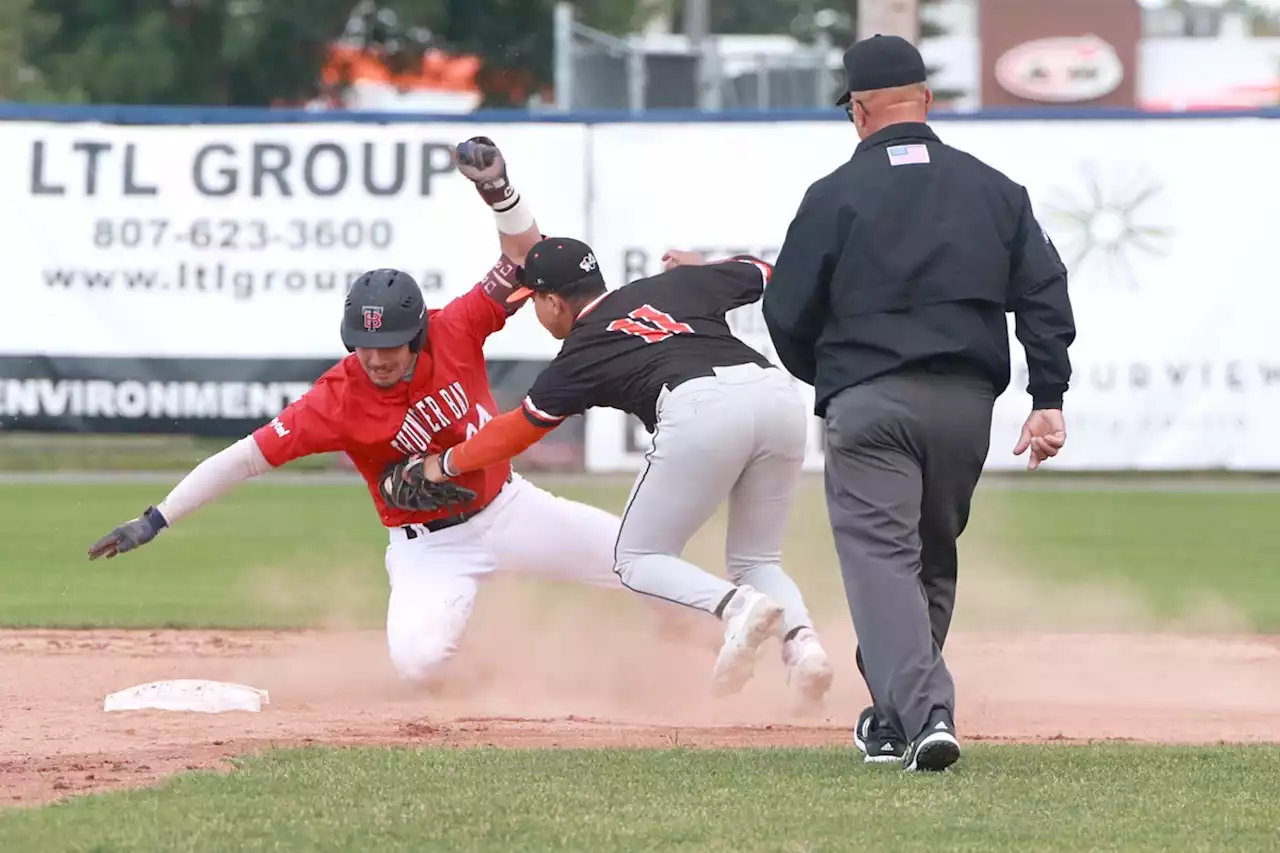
<point x="561" y="390"/>
<point x="1044" y="322"/>
<point x="735" y="282"/>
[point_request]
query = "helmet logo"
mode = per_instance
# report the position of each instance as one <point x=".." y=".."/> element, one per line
<point x="372" y="317"/>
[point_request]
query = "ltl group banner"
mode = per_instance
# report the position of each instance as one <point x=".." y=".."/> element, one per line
<point x="181" y="243"/>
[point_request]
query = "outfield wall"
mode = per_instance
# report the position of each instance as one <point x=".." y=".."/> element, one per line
<point x="183" y="270"/>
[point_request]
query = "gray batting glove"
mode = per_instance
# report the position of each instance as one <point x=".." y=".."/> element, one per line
<point x="130" y="535"/>
<point x="480" y="162"/>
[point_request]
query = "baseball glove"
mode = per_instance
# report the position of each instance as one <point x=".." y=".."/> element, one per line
<point x="404" y="485"/>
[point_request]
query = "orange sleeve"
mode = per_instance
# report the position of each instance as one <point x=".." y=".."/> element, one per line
<point x="507" y="435"/>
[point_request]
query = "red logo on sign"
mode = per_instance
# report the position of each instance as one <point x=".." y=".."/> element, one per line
<point x="650" y="324"/>
<point x="372" y="318"/>
<point x="1060" y="70"/>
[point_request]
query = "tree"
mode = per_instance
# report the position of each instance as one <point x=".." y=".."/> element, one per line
<point x="747" y="17"/>
<point x="931" y="29"/>
<point x="514" y="38"/>
<point x="24" y="30"/>
<point x="258" y="52"/>
<point x="186" y="51"/>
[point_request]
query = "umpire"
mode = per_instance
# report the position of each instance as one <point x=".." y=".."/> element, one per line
<point x="889" y="296"/>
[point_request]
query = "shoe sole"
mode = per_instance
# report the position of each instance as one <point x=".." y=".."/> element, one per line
<point x="811" y="682"/>
<point x="732" y="673"/>
<point x="935" y="753"/>
<point x="815" y="677"/>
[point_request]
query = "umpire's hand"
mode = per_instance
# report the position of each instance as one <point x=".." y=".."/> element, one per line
<point x="1045" y="432"/>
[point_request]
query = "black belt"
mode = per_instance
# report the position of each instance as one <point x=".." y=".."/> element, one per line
<point x="452" y="521"/>
<point x="947" y="366"/>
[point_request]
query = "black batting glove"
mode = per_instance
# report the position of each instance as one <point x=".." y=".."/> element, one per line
<point x="130" y="535"/>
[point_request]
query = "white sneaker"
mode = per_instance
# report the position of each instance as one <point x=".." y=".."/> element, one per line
<point x="750" y="618"/>
<point x="809" y="671"/>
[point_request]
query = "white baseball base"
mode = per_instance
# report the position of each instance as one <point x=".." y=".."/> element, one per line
<point x="188" y="694"/>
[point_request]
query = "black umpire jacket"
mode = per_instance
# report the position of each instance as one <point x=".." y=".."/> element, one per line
<point x="912" y="252"/>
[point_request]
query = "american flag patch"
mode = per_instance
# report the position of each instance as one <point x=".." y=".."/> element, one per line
<point x="902" y="155"/>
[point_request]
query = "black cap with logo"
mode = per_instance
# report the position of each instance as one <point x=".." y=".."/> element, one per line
<point x="557" y="264"/>
<point x="881" y="62"/>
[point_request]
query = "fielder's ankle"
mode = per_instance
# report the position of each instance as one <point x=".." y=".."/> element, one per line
<point x="724" y="602"/>
<point x="791" y="635"/>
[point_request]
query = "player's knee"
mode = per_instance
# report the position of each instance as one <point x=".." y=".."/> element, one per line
<point x="420" y="659"/>
<point x="628" y="564"/>
<point x="628" y="553"/>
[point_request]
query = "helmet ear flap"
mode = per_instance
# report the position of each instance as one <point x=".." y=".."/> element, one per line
<point x="420" y="341"/>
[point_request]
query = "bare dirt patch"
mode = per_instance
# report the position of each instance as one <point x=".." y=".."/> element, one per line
<point x="526" y="680"/>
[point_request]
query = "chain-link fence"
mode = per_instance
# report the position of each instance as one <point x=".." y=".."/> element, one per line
<point x="597" y="71"/>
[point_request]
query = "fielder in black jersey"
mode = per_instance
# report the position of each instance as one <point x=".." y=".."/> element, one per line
<point x="726" y="424"/>
<point x="609" y="358"/>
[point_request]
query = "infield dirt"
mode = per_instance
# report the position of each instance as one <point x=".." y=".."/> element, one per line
<point x="521" y="682"/>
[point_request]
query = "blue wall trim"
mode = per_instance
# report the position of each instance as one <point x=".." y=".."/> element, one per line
<point x="162" y="115"/>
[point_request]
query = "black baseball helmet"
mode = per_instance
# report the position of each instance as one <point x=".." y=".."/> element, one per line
<point x="384" y="308"/>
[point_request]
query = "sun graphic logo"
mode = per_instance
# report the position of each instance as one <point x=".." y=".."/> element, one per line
<point x="1108" y="223"/>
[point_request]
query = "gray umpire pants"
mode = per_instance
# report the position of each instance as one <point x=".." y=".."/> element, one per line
<point x="903" y="456"/>
<point x="737" y="436"/>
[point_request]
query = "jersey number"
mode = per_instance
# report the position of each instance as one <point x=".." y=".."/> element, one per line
<point x="482" y="418"/>
<point x="651" y="324"/>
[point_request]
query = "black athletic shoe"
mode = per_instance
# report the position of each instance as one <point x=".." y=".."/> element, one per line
<point x="936" y="747"/>
<point x="878" y="743"/>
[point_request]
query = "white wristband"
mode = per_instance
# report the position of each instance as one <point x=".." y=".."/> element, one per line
<point x="444" y="463"/>
<point x="516" y="219"/>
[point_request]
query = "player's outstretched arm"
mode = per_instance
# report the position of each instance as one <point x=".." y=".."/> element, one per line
<point x="736" y="281"/>
<point x="305" y="427"/>
<point x="481" y="162"/>
<point x="503" y="438"/>
<point x="208" y="480"/>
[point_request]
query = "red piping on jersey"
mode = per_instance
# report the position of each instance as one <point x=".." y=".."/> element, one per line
<point x="507" y="435"/>
<point x="590" y="306"/>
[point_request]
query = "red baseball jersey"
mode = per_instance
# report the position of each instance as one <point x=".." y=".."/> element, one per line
<point x="445" y="402"/>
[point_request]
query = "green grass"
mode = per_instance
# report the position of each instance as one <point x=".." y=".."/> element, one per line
<point x="288" y="554"/>
<point x="277" y="553"/>
<point x="1171" y="547"/>
<point x="87" y="452"/>
<point x="1017" y="799"/>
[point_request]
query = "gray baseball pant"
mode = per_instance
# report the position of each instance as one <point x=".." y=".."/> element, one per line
<point x="903" y="456"/>
<point x="738" y="435"/>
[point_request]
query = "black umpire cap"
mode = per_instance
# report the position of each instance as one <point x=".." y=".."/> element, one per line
<point x="881" y="62"/>
<point x="559" y="264"/>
